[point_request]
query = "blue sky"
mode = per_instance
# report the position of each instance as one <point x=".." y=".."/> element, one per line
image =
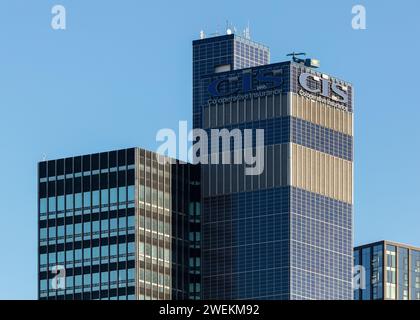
<point x="122" y="70"/>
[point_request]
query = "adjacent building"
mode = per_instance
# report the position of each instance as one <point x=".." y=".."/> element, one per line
<point x="118" y="225"/>
<point x="387" y="270"/>
<point x="285" y="233"/>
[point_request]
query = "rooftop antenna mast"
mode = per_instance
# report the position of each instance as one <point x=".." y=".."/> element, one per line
<point x="230" y="28"/>
<point x="202" y="34"/>
<point x="247" y="34"/>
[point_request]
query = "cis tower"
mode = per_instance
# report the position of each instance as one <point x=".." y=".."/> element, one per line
<point x="287" y="232"/>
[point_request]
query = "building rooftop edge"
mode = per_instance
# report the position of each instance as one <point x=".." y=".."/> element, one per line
<point x="390" y="242"/>
<point x="230" y="36"/>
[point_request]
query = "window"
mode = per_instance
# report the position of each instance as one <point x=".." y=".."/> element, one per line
<point x="95" y="198"/>
<point x="141" y="193"/>
<point x="43" y="205"/>
<point x="104" y="277"/>
<point x="122" y="275"/>
<point x="60" y="231"/>
<point x="60" y="203"/>
<point x="87" y="279"/>
<point x="69" y="282"/>
<point x="130" y="193"/>
<point x="104" y="251"/>
<point x="95" y="278"/>
<point x="154" y="197"/>
<point x="131" y="247"/>
<point x="130" y="274"/>
<point x="147" y="250"/>
<point x="160" y="198"/>
<point x="51" y="232"/>
<point x="43" y="285"/>
<point x="69" y="255"/>
<point x="104" y="196"/>
<point x="95" y="252"/>
<point x="86" y="199"/>
<point x="78" y="254"/>
<point x="43" y="233"/>
<point x="78" y="228"/>
<point x="69" y="202"/>
<point x="95" y="226"/>
<point x="113" y="195"/>
<point x="113" y="223"/>
<point x="122" y="223"/>
<point x="60" y="257"/>
<point x="147" y="196"/>
<point x="86" y="253"/>
<point x="104" y="225"/>
<point x="122" y="194"/>
<point x="122" y="248"/>
<point x="131" y="222"/>
<point x="43" y="259"/>
<point x="52" y="258"/>
<point x="51" y="204"/>
<point x="78" y="280"/>
<point x="86" y="227"/>
<point x="78" y="200"/>
<point x="113" y="250"/>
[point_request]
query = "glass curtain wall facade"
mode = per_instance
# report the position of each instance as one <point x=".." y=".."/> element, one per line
<point x="286" y="233"/>
<point x="391" y="271"/>
<point x="106" y="227"/>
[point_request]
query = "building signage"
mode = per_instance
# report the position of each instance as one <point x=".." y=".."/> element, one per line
<point x="331" y="93"/>
<point x="266" y="79"/>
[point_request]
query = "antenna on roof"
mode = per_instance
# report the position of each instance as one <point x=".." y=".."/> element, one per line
<point x="202" y="34"/>
<point x="230" y="28"/>
<point x="247" y="33"/>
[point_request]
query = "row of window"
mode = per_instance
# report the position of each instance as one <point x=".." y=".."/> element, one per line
<point x="120" y="249"/>
<point x="87" y="280"/>
<point x="87" y="227"/>
<point x="154" y="196"/>
<point x="86" y="199"/>
<point x="153" y="251"/>
<point x="86" y="173"/>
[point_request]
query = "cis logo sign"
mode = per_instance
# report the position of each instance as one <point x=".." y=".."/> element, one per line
<point x="327" y="89"/>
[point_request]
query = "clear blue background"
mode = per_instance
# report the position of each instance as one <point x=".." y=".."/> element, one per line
<point x="122" y="71"/>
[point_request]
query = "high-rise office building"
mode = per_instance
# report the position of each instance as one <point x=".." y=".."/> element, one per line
<point x="386" y="270"/>
<point x="285" y="233"/>
<point x="118" y="225"/>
